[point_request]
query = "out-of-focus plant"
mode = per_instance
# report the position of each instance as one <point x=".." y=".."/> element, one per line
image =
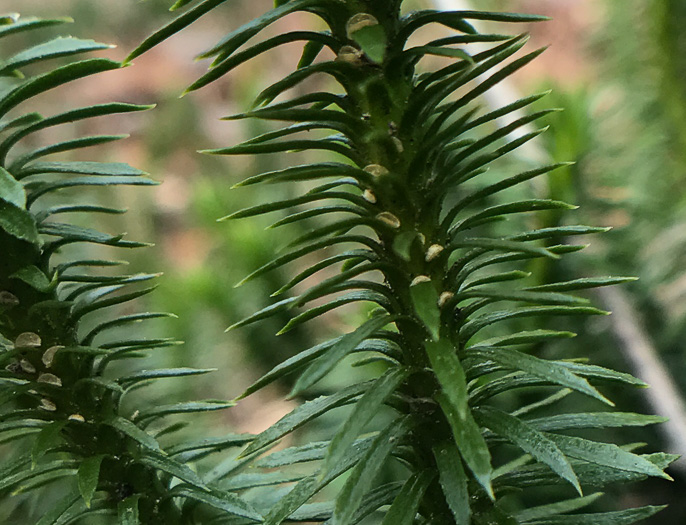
<point x="66" y="409"/>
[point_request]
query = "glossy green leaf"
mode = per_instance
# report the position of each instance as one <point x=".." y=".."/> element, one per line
<point x="89" y="475"/>
<point x="59" y="47"/>
<point x="361" y="478"/>
<point x="304" y="413"/>
<point x="589" y="474"/>
<point x="560" y="507"/>
<point x="34" y="278"/>
<point x="593" y="420"/>
<point x="289" y="365"/>
<point x="310" y="52"/>
<point x="352" y="297"/>
<point x="372" y="40"/>
<point x="145" y="375"/>
<point x="219" y="443"/>
<point x="179" y="4"/>
<point x="365" y="409"/>
<point x="425" y="301"/>
<point x="183" y="408"/>
<point x="404" y="508"/>
<point x="453" y="480"/>
<point x="39" y="188"/>
<point x="82" y="168"/>
<point x="309" y="486"/>
<point x="504" y="245"/>
<point x="331" y="357"/>
<point x="38" y="123"/>
<point x="470" y="443"/>
<point x="551" y="371"/>
<point x="471" y="327"/>
<point x="450" y="374"/>
<point x="525" y="337"/>
<point x="599" y="372"/>
<point x="524" y="206"/>
<point x="45" y="440"/>
<point x="582" y="284"/>
<point x="11" y="190"/>
<point x="61" y="466"/>
<point x="23" y="24"/>
<point x="605" y="454"/>
<point x="55" y="78"/>
<point x="526" y="297"/>
<point x="174" y="468"/>
<point x="530" y="440"/>
<point x="237" y="38"/>
<point x="225" y="501"/>
<point x="18" y="223"/>
<point x="129" y="429"/>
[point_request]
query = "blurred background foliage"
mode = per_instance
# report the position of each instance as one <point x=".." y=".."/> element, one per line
<point x="617" y="67"/>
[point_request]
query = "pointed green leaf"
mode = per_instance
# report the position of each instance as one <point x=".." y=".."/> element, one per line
<point x="59" y="47"/>
<point x="605" y="454"/>
<point x="560" y="507"/>
<point x="598" y="372"/>
<point x="309" y="486"/>
<point x="582" y="284"/>
<point x="450" y="374"/>
<point x="372" y="40"/>
<point x="226" y="501"/>
<point x="129" y="429"/>
<point x="453" y="480"/>
<point x="470" y="442"/>
<point x="362" y="477"/>
<point x="552" y="371"/>
<point x="16" y="24"/>
<point x="45" y="440"/>
<point x="366" y="408"/>
<point x="404" y="508"/>
<point x="289" y="365"/>
<point x="18" y="223"/>
<point x="529" y="440"/>
<point x="302" y="414"/>
<point x="593" y="420"/>
<point x="145" y="375"/>
<point x="425" y="301"/>
<point x="527" y="336"/>
<point x="504" y="245"/>
<point x="552" y="298"/>
<point x="89" y="475"/>
<point x="310" y="52"/>
<point x="11" y="190"/>
<point x="82" y="168"/>
<point x="55" y="78"/>
<point x="184" y="408"/>
<point x="174" y="468"/>
<point x="34" y="278"/>
<point x="324" y="364"/>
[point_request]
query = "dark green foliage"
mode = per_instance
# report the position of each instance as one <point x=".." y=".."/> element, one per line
<point x="409" y="191"/>
<point x="439" y="248"/>
<point x="63" y="417"/>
